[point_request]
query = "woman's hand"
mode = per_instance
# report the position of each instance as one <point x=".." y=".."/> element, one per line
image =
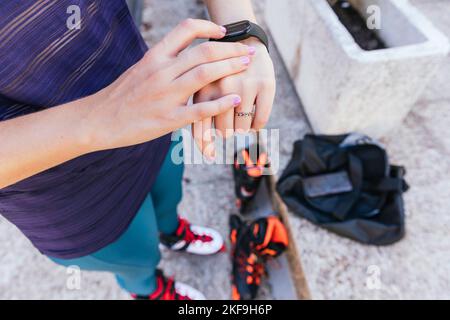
<point x="150" y="99"/>
<point x="256" y="86"/>
<point x="146" y="102"/>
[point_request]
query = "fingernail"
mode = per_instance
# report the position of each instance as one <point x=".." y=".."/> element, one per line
<point x="236" y="101"/>
<point x="211" y="156"/>
<point x="246" y="60"/>
<point x="251" y="50"/>
<point x="224" y="30"/>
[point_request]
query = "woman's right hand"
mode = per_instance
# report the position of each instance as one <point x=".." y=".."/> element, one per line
<point x="150" y="99"/>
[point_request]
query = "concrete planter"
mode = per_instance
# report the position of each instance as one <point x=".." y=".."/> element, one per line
<point x="344" y="88"/>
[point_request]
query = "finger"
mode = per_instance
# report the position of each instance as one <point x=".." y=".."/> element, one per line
<point x="208" y="147"/>
<point x="224" y="123"/>
<point x="203" y="110"/>
<point x="208" y="52"/>
<point x="197" y="126"/>
<point x="197" y="134"/>
<point x="202" y="133"/>
<point x="202" y="129"/>
<point x="243" y="121"/>
<point x="185" y="33"/>
<point x="264" y="103"/>
<point x="200" y="76"/>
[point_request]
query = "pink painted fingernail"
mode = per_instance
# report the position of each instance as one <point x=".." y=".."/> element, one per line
<point x="251" y="50"/>
<point x="224" y="30"/>
<point x="237" y="101"/>
<point x="246" y="60"/>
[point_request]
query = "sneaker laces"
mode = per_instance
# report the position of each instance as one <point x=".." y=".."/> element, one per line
<point x="189" y="235"/>
<point x="170" y="293"/>
<point x="254" y="170"/>
<point x="252" y="266"/>
<point x="165" y="290"/>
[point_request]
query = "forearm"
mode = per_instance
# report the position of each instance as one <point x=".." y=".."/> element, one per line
<point x="228" y="11"/>
<point x="36" y="142"/>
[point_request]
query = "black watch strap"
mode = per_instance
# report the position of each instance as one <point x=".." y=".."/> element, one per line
<point x="242" y="30"/>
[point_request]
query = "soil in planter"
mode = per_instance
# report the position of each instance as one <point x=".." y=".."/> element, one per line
<point x="367" y="39"/>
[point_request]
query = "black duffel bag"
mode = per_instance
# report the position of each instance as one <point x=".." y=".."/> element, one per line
<point x="345" y="184"/>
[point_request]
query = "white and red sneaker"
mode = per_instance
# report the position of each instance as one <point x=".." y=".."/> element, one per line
<point x="169" y="289"/>
<point x="193" y="239"/>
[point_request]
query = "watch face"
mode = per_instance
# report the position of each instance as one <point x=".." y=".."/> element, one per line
<point x="238" y="28"/>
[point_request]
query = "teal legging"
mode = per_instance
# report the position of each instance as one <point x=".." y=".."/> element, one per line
<point x="133" y="258"/>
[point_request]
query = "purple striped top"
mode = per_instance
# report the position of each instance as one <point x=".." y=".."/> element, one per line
<point x="80" y="206"/>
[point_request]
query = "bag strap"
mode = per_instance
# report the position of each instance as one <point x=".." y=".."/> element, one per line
<point x="385" y="185"/>
<point x="395" y="183"/>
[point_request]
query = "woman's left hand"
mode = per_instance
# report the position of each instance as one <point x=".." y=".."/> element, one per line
<point x="256" y="86"/>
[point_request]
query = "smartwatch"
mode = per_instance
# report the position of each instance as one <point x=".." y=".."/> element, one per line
<point x="242" y="30"/>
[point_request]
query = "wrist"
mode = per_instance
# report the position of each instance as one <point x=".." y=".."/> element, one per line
<point x="254" y="42"/>
<point x="85" y="127"/>
<point x="225" y="12"/>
